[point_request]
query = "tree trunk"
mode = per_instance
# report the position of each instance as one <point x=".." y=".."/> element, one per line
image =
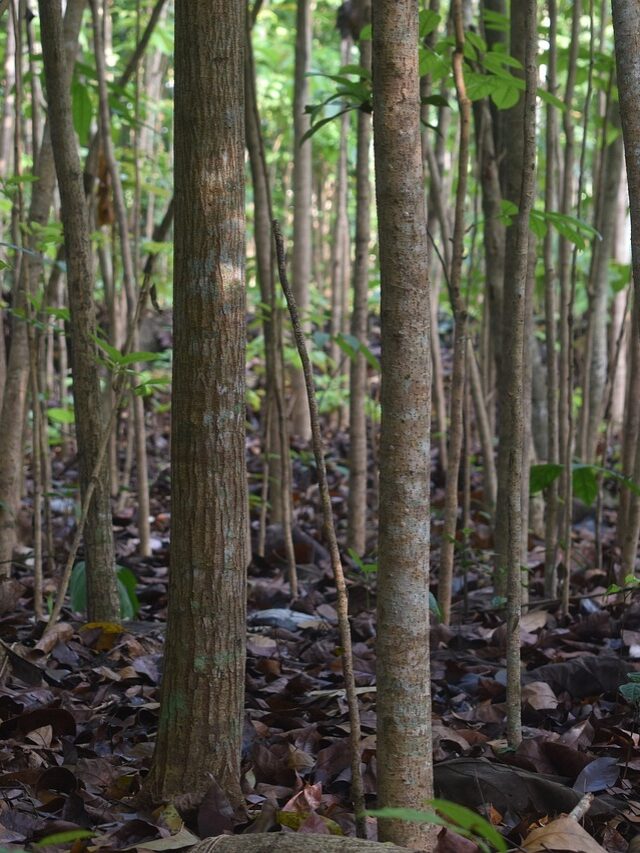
<point x="447" y="548"/>
<point x="520" y="189"/>
<point x="626" y="25"/>
<point x="202" y="700"/>
<point x="357" y="507"/>
<point x="596" y="364"/>
<point x="405" y="771"/>
<point x="102" y="594"/>
<point x="302" y="178"/>
<point x="14" y="398"/>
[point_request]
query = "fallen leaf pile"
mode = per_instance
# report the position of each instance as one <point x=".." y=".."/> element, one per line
<point x="79" y="707"/>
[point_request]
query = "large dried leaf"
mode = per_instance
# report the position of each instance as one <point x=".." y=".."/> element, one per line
<point x="563" y="834"/>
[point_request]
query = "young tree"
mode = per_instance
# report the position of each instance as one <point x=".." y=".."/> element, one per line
<point x="102" y="594"/>
<point x="520" y="130"/>
<point x="626" y="25"/>
<point x="203" y="687"/>
<point x="404" y="702"/>
<point x="302" y="183"/>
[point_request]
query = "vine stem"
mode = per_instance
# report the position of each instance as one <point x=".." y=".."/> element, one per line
<point x="342" y="604"/>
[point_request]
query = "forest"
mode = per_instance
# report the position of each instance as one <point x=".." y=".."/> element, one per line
<point x="320" y="425"/>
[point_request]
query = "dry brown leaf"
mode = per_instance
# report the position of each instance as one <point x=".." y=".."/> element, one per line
<point x="563" y="834"/>
<point x="539" y="696"/>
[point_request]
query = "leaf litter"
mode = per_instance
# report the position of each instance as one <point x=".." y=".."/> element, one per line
<point x="79" y="707"/>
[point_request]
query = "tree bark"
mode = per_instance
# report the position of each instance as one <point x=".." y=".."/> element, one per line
<point x="302" y="178"/>
<point x="520" y="189"/>
<point x="357" y="505"/>
<point x="102" y="594"/>
<point x="14" y="398"/>
<point x="626" y="26"/>
<point x="405" y="771"/>
<point x="202" y="699"/>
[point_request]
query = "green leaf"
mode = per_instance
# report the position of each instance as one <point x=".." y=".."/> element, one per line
<point x="316" y="127"/>
<point x="429" y="20"/>
<point x="477" y="41"/>
<point x="631" y="692"/>
<point x="134" y="357"/>
<point x="585" y="482"/>
<point x="82" y="110"/>
<point x="496" y="21"/>
<point x="551" y="99"/>
<point x="435" y="101"/>
<point x="4" y="265"/>
<point x="505" y="96"/>
<point x="61" y="416"/>
<point x="434" y="607"/>
<point x="365" y="33"/>
<point x="458" y="818"/>
<point x="64" y="837"/>
<point x="356" y="69"/>
<point x="113" y="352"/>
<point x="538" y="224"/>
<point x="541" y="476"/>
<point x="126" y="581"/>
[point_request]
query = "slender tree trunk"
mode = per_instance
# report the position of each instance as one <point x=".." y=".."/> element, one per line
<point x="626" y="25"/>
<point x="456" y="426"/>
<point x="565" y="335"/>
<point x="550" y="307"/>
<point x="357" y="507"/>
<point x="596" y="365"/>
<point x="202" y="699"/>
<point x="520" y="188"/>
<point x="302" y="183"/>
<point x="277" y="433"/>
<point x="102" y="594"/>
<point x="14" y="398"/>
<point x="405" y="772"/>
<point x="130" y="286"/>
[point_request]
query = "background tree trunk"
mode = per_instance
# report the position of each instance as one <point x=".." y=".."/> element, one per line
<point x="302" y="178"/>
<point x="102" y="594"/>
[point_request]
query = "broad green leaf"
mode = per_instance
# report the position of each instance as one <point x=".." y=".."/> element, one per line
<point x="585" y="482"/>
<point x="356" y="69"/>
<point x="82" y="110"/>
<point x="61" y="416"/>
<point x="435" y="101"/>
<point x="505" y="96"/>
<point x="429" y="20"/>
<point x="64" y="837"/>
<point x="134" y="357"/>
<point x="631" y="692"/>
<point x="477" y="41"/>
<point x="495" y="21"/>
<point x="538" y="224"/>
<point x="365" y="33"/>
<point x="113" y="352"/>
<point x="541" y="476"/>
<point x="551" y="99"/>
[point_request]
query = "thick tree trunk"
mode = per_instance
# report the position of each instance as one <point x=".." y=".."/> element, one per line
<point x="405" y="772"/>
<point x="202" y="699"/>
<point x="102" y="594"/>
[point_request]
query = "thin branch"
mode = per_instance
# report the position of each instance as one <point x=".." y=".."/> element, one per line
<point x="342" y="604"/>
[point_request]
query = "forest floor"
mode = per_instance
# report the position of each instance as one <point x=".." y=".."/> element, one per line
<point x="79" y="710"/>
